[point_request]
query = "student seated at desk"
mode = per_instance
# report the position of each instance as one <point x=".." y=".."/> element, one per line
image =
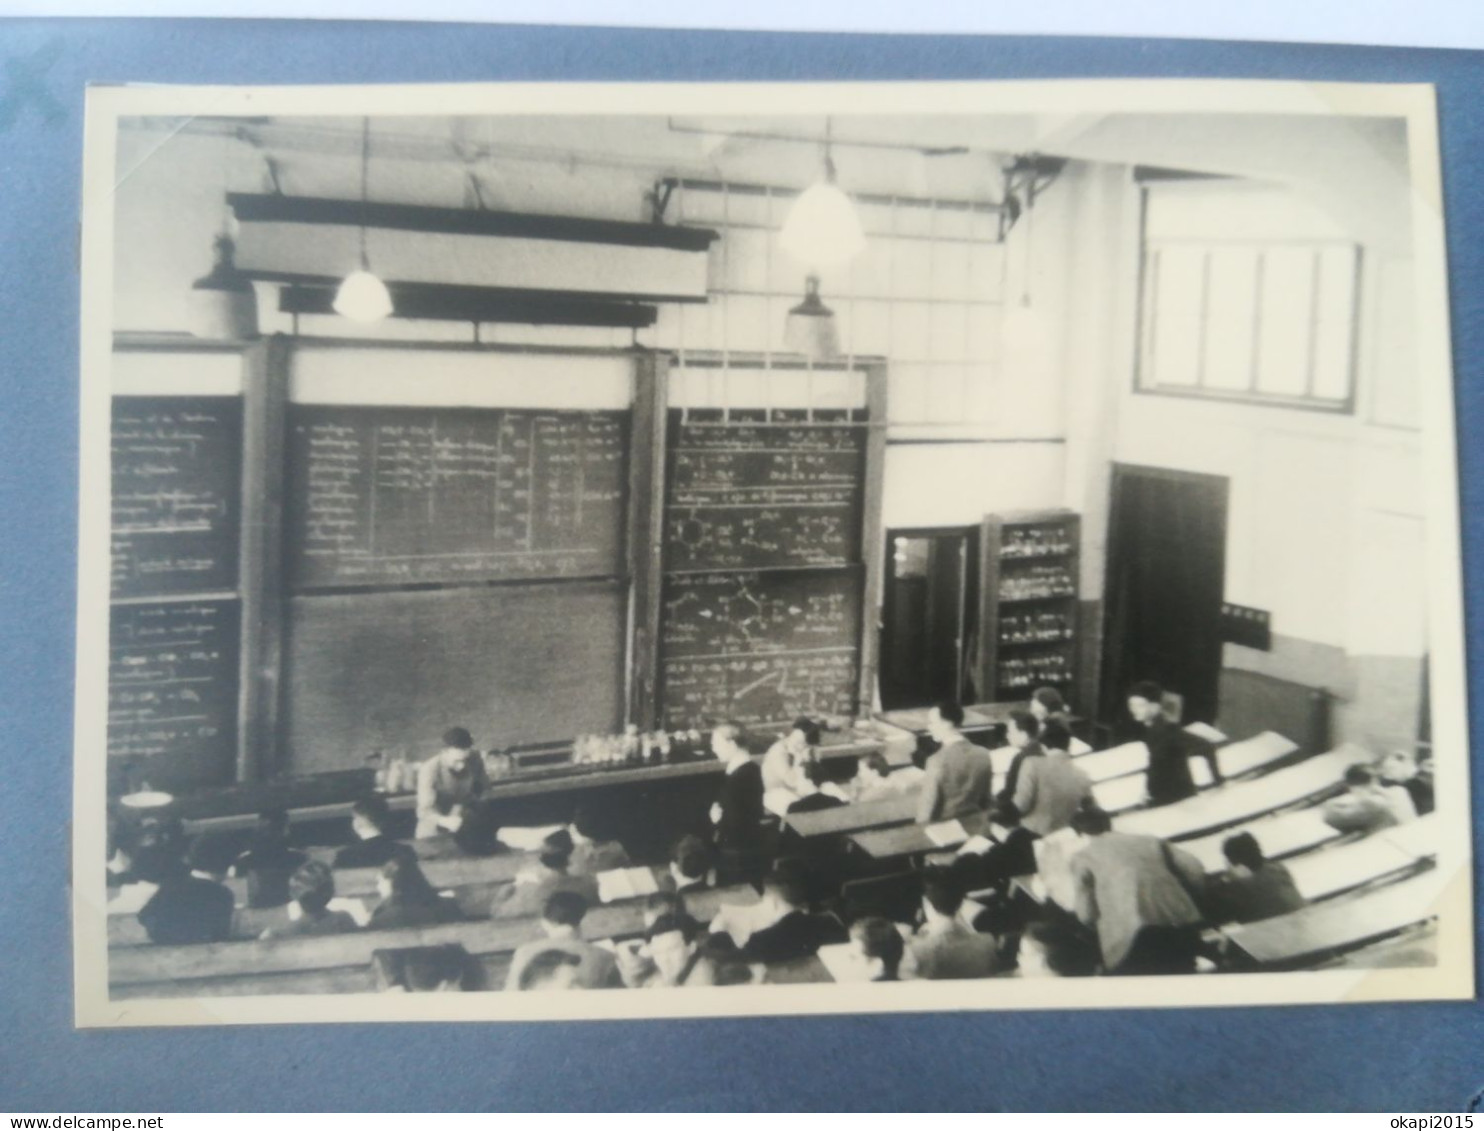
<point x="1252" y="889"/>
<point x="310" y="890"/>
<point x="424" y="970"/>
<point x="1401" y="768"/>
<point x="1005" y="850"/>
<point x="1367" y="806"/>
<point x="369" y="820"/>
<point x="447" y="783"/>
<point x="1048" y="706"/>
<point x="1051" y="788"/>
<point x="811" y="797"/>
<point x="1140" y="895"/>
<point x="1022" y="732"/>
<point x="548" y="874"/>
<point x="957" y="778"/>
<point x="875" y="781"/>
<point x="944" y="947"/>
<point x="878" y="948"/>
<point x="183" y="907"/>
<point x="787" y="760"/>
<point x="549" y="970"/>
<point x="561" y="926"/>
<point x="269" y="861"/>
<point x="408" y="899"/>
<point x="691" y="865"/>
<point x="786" y="880"/>
<point x="1054" y="948"/>
<point x="593" y="851"/>
<point x="797" y="932"/>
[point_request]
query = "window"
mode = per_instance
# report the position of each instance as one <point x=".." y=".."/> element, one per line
<point x="1247" y="294"/>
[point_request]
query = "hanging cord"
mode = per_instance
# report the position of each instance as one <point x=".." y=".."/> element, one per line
<point x="365" y="186"/>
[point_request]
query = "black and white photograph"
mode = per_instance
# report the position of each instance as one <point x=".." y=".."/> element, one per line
<point x="765" y="549"/>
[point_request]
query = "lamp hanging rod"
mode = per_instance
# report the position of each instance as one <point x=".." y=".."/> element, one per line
<point x="835" y="142"/>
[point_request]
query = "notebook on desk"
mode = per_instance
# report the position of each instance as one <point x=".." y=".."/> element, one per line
<point x="625" y="883"/>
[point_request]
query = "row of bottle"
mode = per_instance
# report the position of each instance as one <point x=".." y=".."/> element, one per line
<point x="1029" y="671"/>
<point x="1035" y="542"/>
<point x="1038" y="627"/>
<point x="1038" y="581"/>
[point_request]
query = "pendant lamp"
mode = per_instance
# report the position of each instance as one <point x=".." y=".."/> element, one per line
<point x="811" y="328"/>
<point x="362" y="296"/>
<point x="822" y="228"/>
<point x="223" y="302"/>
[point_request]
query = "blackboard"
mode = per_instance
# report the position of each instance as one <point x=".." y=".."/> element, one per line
<point x="759" y="647"/>
<point x="176" y="496"/>
<point x="752" y="495"/>
<point x="402" y="495"/>
<point x="390" y="671"/>
<point x="172" y="691"/>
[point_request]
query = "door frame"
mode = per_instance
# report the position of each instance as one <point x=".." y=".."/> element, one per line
<point x="968" y="531"/>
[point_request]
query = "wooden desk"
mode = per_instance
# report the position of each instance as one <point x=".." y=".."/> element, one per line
<point x="1326" y="928"/>
<point x="912" y="840"/>
<point x="1119" y="795"/>
<point x="1331" y="871"/>
<point x="1236" y="802"/>
<point x="853" y="818"/>
<point x="1115" y="762"/>
<point x="1237" y="759"/>
<point x="1287" y="834"/>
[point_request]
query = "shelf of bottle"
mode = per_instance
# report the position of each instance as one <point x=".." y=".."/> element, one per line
<point x="1039" y="597"/>
<point x="1044" y="556"/>
<point x="1037" y="681"/>
<point x="1049" y="642"/>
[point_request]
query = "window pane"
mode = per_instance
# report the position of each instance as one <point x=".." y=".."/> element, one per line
<point x="1287" y="307"/>
<point x="1332" y="359"/>
<point x="1176" y="359"/>
<point x="1231" y="315"/>
<point x="1177" y="277"/>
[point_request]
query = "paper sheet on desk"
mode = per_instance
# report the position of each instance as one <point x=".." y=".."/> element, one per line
<point x="1206" y="731"/>
<point x="842" y="961"/>
<point x="355" y="908"/>
<point x="526" y="840"/>
<point x="625" y="883"/>
<point x="945" y="834"/>
<point x="976" y="846"/>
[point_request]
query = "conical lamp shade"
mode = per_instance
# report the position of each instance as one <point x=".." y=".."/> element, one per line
<point x="822" y="228"/>
<point x="811" y="328"/>
<point x="363" y="297"/>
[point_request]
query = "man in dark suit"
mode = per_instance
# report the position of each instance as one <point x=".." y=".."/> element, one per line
<point x="958" y="776"/>
<point x="369" y="818"/>
<point x="798" y="933"/>
<point x="1021" y="732"/>
<point x="185" y="908"/>
<point x="737" y="813"/>
<point x="1170" y="748"/>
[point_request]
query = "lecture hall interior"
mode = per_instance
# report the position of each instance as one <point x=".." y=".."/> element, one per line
<point x="645" y="551"/>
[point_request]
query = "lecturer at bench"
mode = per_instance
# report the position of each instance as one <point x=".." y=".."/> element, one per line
<point x="448" y="783"/>
<point x="957" y="779"/>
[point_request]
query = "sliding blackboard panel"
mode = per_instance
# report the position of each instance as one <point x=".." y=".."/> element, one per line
<point x="172" y="691"/>
<point x="176" y="505"/>
<point x="391" y="671"/>
<point x="399" y="495"/>
<point x="759" y="647"/>
<point x="752" y="495"/>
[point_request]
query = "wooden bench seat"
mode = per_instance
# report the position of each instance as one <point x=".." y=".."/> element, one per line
<point x="1303" y="937"/>
<point x="845" y="819"/>
<point x="1236" y="802"/>
<point x="1286" y="834"/>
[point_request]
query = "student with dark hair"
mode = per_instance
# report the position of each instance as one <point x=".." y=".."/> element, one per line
<point x="592" y="849"/>
<point x="310" y="889"/>
<point x="958" y="777"/>
<point x="269" y="861"/>
<point x="1049" y="707"/>
<point x="1011" y="852"/>
<point x="1052" y="787"/>
<point x="945" y="947"/>
<point x="798" y="932"/>
<point x="448" y="783"/>
<point x="549" y="969"/>
<point x="878" y="947"/>
<point x="408" y="899"/>
<point x="561" y="927"/>
<point x="1253" y="887"/>
<point x="787" y="759"/>
<point x="1367" y="806"/>
<point x="1021" y="731"/>
<point x="784" y="890"/>
<point x="1141" y="895"/>
<point x="738" y="811"/>
<point x="550" y="873"/>
<point x="1401" y="768"/>
<point x="184" y="908"/>
<point x="369" y="820"/>
<point x="1168" y="778"/>
<point x="811" y="797"/>
<point x="424" y="969"/>
<point x="690" y="864"/>
<point x="875" y="781"/>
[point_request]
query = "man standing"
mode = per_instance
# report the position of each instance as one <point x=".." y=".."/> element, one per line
<point x="957" y="778"/>
<point x="1139" y="893"/>
<point x="448" y="783"/>
<point x="1170" y="748"/>
<point x="1051" y="788"/>
<point x="738" y="811"/>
